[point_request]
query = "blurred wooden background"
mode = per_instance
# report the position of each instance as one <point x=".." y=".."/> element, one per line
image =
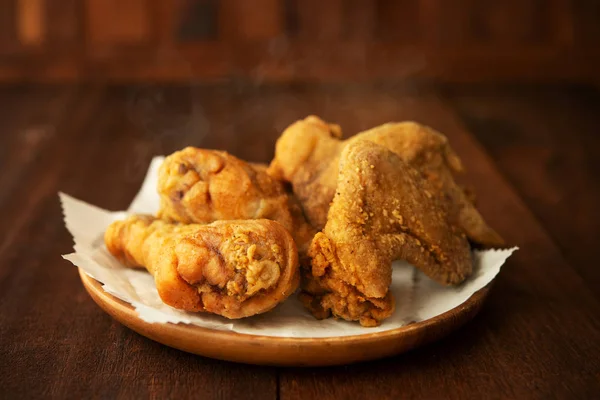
<point x="299" y="40"/>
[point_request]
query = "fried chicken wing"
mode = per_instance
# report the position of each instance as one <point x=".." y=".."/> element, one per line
<point x="202" y="186"/>
<point x="231" y="268"/>
<point x="383" y="210"/>
<point x="307" y="155"/>
<point x="430" y="153"/>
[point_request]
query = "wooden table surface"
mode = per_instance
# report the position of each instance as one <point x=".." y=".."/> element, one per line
<point x="532" y="155"/>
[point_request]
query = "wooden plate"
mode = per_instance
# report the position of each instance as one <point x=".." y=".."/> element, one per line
<point x="269" y="350"/>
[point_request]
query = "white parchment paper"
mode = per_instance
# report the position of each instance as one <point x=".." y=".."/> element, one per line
<point x="417" y="297"/>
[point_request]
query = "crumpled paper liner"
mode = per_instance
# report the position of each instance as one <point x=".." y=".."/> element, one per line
<point x="417" y="297"/>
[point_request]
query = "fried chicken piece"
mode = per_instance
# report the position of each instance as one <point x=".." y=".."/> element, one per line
<point x="231" y="268"/>
<point x="303" y="232"/>
<point x="202" y="186"/>
<point x="383" y="210"/>
<point x="307" y="155"/>
<point x="430" y="153"/>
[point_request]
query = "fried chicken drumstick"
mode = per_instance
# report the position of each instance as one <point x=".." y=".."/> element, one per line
<point x="307" y="155"/>
<point x="202" y="186"/>
<point x="383" y="210"/>
<point x="231" y="268"/>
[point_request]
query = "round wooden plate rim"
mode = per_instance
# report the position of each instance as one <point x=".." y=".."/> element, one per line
<point x="98" y="293"/>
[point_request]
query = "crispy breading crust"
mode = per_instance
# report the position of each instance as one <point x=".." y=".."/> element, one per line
<point x="231" y="268"/>
<point x="202" y="186"/>
<point x="307" y="155"/>
<point x="383" y="210"/>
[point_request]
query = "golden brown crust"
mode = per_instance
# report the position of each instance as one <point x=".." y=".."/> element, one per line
<point x="307" y="155"/>
<point x="383" y="210"/>
<point x="331" y="287"/>
<point x="231" y="268"/>
<point x="303" y="156"/>
<point x="202" y="186"/>
<point x="429" y="151"/>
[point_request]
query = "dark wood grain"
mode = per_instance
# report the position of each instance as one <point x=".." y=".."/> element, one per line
<point x="49" y="329"/>
<point x="527" y="323"/>
<point x="546" y="141"/>
<point x="292" y="40"/>
<point x="537" y="336"/>
<point x="30" y="118"/>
